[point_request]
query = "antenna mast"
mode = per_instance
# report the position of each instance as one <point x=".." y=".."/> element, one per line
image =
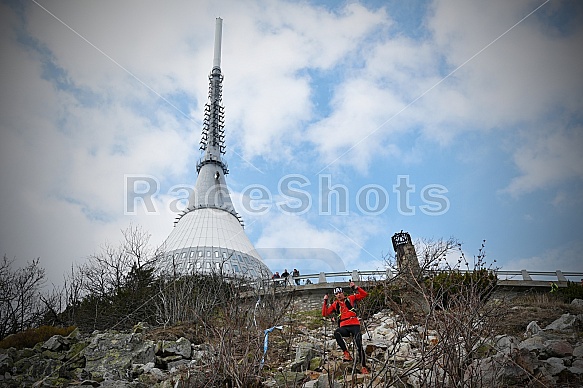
<point x="213" y="131"/>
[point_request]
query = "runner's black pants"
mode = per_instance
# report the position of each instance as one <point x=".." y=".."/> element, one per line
<point x="354" y="331"/>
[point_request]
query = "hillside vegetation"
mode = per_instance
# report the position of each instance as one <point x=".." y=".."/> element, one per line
<point x="454" y="316"/>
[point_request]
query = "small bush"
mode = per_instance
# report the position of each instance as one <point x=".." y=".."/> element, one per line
<point x="446" y="284"/>
<point x="572" y="291"/>
<point x="375" y="301"/>
<point x="30" y="337"/>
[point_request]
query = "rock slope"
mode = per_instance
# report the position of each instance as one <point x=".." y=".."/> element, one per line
<point x="549" y="356"/>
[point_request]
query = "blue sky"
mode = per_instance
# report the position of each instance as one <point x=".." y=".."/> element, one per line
<point x="475" y="106"/>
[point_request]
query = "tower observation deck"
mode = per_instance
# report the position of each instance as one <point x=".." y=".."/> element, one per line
<point x="208" y="236"/>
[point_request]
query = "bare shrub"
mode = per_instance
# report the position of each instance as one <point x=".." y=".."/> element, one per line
<point x="114" y="286"/>
<point x="230" y="315"/>
<point x="457" y="325"/>
<point x="21" y="306"/>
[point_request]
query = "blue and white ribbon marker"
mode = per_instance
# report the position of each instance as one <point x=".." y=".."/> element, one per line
<point x="267" y="331"/>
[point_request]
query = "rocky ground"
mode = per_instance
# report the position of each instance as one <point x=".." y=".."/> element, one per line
<point x="542" y="345"/>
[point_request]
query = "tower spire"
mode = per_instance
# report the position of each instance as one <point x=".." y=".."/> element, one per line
<point x="208" y="236"/>
<point x="213" y="132"/>
<point x="218" y="40"/>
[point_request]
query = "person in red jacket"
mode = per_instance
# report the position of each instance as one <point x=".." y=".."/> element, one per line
<point x="348" y="322"/>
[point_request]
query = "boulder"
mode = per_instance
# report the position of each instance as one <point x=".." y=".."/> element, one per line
<point x="577" y="367"/>
<point x="535" y="343"/>
<point x="506" y="343"/>
<point x="6" y="363"/>
<point x="56" y="343"/>
<point x="566" y="321"/>
<point x="322" y="382"/>
<point x="111" y="355"/>
<point x="554" y="365"/>
<point x="304" y="354"/>
<point x="532" y="328"/>
<point x="181" y="347"/>
<point x="557" y="348"/>
<point x="175" y="365"/>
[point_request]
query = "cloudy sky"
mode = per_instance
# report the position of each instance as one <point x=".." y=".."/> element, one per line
<point x="345" y="123"/>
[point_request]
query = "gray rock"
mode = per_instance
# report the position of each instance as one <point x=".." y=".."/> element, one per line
<point x="148" y="367"/>
<point x="554" y="365"/>
<point x="577" y="302"/>
<point x="6" y="363"/>
<point x="558" y="349"/>
<point x="180" y="347"/>
<point x="506" y="343"/>
<point x="532" y="328"/>
<point x="322" y="382"/>
<point x="577" y="367"/>
<point x="534" y="343"/>
<point x="75" y="335"/>
<point x="566" y="321"/>
<point x="158" y="373"/>
<point x="112" y="354"/>
<point x="174" y="365"/>
<point x="122" y="384"/>
<point x="56" y="343"/>
<point x="578" y="351"/>
<point x="304" y="354"/>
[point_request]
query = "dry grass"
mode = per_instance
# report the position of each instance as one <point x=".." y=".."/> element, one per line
<point x="30" y="337"/>
<point x="173" y="333"/>
<point x="542" y="308"/>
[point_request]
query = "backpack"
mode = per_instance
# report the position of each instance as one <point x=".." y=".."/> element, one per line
<point x="349" y="306"/>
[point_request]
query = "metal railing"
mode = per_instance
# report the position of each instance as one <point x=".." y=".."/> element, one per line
<point x="358" y="275"/>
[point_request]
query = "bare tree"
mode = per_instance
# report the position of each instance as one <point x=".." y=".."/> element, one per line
<point x="112" y="286"/>
<point x="21" y="306"/>
<point x="458" y="326"/>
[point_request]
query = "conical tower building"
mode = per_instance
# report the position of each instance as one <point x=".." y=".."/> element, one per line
<point x="208" y="236"/>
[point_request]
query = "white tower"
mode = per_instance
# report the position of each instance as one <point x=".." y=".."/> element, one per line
<point x="209" y="236"/>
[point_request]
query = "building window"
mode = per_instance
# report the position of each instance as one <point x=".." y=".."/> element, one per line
<point x="208" y="253"/>
<point x="191" y="254"/>
<point x="217" y="254"/>
<point x="240" y="258"/>
<point x="199" y="253"/>
<point x="184" y="255"/>
<point x="224" y="255"/>
<point x="236" y="267"/>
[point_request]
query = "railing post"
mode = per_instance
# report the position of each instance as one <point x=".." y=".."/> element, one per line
<point x="322" y="277"/>
<point x="525" y="275"/>
<point x="355" y="275"/>
<point x="560" y="276"/>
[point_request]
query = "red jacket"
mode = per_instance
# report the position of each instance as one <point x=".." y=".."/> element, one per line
<point x="347" y="317"/>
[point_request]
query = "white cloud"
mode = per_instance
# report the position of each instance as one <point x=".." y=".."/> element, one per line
<point x="73" y="122"/>
<point x="547" y="158"/>
<point x="565" y="258"/>
<point x="345" y="236"/>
